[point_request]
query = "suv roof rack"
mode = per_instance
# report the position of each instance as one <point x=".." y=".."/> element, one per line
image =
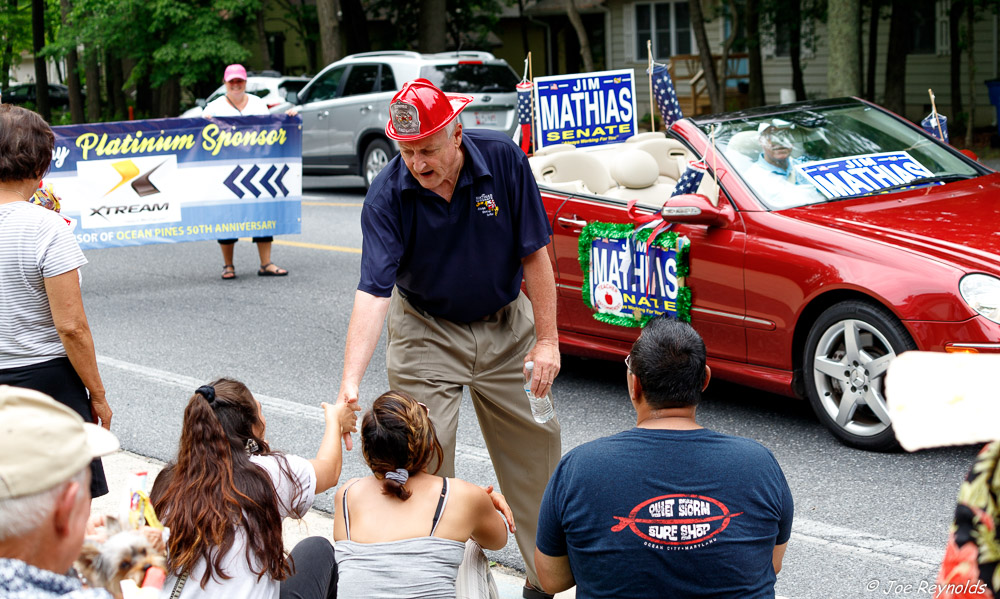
<point x="480" y="54"/>
<point x="407" y="53"/>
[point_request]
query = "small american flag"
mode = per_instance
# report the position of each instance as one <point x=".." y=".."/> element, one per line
<point x="689" y="181"/>
<point x="666" y="96"/>
<point x="524" y="113"/>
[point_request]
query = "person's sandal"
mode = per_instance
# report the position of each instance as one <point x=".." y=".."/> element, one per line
<point x="531" y="592"/>
<point x="277" y="272"/>
<point x="228" y="272"/>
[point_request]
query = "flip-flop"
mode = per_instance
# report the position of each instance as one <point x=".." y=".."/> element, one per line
<point x="227" y="274"/>
<point x="278" y="272"/>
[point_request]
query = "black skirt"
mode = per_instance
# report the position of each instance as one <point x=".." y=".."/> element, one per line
<point x="58" y="379"/>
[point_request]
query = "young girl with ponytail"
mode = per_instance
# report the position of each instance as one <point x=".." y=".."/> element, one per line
<point x="403" y="532"/>
<point x="225" y="495"/>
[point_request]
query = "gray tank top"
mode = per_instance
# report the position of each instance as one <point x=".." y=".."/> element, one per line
<point x="424" y="567"/>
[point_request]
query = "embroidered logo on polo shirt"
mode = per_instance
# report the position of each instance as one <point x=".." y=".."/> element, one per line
<point x="677" y="521"/>
<point x="486" y="205"/>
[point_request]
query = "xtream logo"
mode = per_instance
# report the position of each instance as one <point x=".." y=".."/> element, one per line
<point x="106" y="211"/>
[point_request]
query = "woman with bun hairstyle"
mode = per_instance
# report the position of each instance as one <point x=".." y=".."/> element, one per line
<point x="403" y="531"/>
<point x="226" y="494"/>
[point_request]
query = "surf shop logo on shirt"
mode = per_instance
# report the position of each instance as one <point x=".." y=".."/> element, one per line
<point x="677" y="521"/>
<point x="486" y="205"/>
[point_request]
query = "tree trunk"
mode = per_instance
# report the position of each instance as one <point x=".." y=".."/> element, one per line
<point x="329" y="30"/>
<point x="355" y="26"/>
<point x="265" y="53"/>
<point x="581" y="35"/>
<point x="970" y="47"/>
<point x="170" y="98"/>
<point x="41" y="75"/>
<point x="432" y="26"/>
<point x="72" y="72"/>
<point x="92" y="73"/>
<point x="873" y="20"/>
<point x="144" y="96"/>
<point x="8" y="52"/>
<point x="955" y="47"/>
<point x="115" y="78"/>
<point x="705" y="53"/>
<point x="795" y="48"/>
<point x="843" y="78"/>
<point x="755" y="97"/>
<point x="523" y="20"/>
<point x="899" y="47"/>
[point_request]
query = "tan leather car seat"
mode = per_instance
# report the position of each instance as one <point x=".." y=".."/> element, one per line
<point x="563" y="167"/>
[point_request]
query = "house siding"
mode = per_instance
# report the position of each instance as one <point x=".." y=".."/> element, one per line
<point x="923" y="71"/>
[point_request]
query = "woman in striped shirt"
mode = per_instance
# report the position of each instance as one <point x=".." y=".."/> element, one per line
<point x="45" y="341"/>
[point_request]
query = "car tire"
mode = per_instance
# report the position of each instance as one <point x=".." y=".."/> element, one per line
<point x="377" y="155"/>
<point x="847" y="354"/>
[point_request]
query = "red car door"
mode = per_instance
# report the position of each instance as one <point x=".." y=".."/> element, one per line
<point x="716" y="278"/>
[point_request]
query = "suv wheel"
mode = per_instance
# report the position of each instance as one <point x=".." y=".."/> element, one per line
<point x="376" y="156"/>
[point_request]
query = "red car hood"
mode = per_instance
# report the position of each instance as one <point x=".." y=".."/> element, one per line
<point x="957" y="223"/>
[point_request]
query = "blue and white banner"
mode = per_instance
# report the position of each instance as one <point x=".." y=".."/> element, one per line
<point x="629" y="279"/>
<point x="585" y="109"/>
<point x="173" y="180"/>
<point x="841" y="177"/>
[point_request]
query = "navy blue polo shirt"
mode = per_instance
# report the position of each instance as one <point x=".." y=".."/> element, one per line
<point x="459" y="260"/>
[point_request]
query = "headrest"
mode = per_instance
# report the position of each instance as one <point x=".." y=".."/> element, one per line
<point x="635" y="169"/>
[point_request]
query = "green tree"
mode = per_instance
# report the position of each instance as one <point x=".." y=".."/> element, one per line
<point x="15" y="36"/>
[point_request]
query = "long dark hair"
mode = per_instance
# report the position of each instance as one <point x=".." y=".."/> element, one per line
<point x="397" y="432"/>
<point x="213" y="487"/>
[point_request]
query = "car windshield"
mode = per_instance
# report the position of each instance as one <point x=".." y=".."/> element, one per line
<point x="826" y="154"/>
<point x="471" y="78"/>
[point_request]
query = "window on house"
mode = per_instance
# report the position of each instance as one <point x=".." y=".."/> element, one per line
<point x="668" y="24"/>
<point x="924" y="21"/>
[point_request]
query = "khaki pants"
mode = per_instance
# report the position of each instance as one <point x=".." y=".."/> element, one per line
<point x="433" y="358"/>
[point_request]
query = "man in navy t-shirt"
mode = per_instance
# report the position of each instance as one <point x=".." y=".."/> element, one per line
<point x="451" y="227"/>
<point x="667" y="509"/>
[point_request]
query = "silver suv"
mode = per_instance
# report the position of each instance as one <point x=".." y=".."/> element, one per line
<point x="345" y="107"/>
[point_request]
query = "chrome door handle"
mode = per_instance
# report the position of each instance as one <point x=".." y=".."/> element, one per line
<point x="320" y="115"/>
<point x="571" y="221"/>
<point x="366" y="109"/>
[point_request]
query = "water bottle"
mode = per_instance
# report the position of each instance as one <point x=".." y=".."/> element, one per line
<point x="541" y="407"/>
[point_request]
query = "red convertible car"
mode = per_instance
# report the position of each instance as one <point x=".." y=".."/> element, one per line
<point x="825" y="238"/>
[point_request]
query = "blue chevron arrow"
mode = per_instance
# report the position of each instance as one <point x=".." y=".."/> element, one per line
<point x="277" y="180"/>
<point x="248" y="181"/>
<point x="230" y="182"/>
<point x="263" y="180"/>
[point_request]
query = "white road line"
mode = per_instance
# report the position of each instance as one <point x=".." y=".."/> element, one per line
<point x="857" y="543"/>
<point x="274" y="405"/>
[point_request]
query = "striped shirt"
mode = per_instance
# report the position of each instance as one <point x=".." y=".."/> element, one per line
<point x="35" y="244"/>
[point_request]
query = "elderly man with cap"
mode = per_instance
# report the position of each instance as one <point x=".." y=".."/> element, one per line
<point x="451" y="227"/>
<point x="773" y="174"/>
<point x="45" y="454"/>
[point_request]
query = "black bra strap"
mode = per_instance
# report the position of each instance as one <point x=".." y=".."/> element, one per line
<point x="440" y="506"/>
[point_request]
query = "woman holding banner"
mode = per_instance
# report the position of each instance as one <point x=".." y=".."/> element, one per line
<point x="235" y="103"/>
<point x="45" y="340"/>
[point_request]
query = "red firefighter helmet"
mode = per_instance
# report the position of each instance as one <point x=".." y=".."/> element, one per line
<point x="420" y="110"/>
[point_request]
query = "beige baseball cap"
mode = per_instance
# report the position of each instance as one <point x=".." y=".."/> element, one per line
<point x="44" y="443"/>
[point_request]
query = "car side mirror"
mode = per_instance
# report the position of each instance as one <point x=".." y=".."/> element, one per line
<point x="970" y="154"/>
<point x="696" y="209"/>
<point x="201" y="102"/>
<point x="292" y="97"/>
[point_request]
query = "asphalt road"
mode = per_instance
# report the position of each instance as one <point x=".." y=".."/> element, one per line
<point x="164" y="323"/>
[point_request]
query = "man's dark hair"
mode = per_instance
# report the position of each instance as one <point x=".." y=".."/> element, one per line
<point x="25" y="144"/>
<point x="669" y="359"/>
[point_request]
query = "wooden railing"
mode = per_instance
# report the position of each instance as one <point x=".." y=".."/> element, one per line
<point x="692" y="89"/>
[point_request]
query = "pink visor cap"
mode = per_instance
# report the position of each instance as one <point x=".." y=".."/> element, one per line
<point x="234" y="71"/>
